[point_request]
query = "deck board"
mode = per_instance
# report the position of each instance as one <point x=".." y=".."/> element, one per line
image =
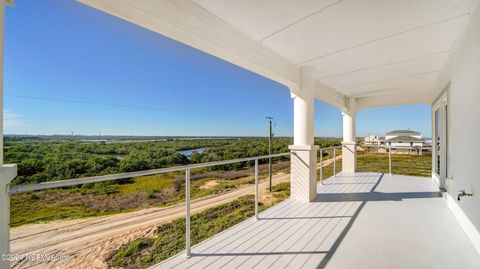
<point x="368" y="220"/>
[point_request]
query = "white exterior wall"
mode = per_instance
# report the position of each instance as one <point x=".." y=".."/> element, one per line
<point x="406" y="144"/>
<point x="463" y="121"/>
<point x="371" y="139"/>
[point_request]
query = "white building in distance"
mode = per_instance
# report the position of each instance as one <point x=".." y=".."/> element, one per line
<point x="404" y="141"/>
<point x="373" y="140"/>
<point x="404" y="138"/>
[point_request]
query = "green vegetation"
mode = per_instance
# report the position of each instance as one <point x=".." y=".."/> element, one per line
<point x="42" y="161"/>
<point x="170" y="237"/>
<point x="105" y="198"/>
<point x="170" y="240"/>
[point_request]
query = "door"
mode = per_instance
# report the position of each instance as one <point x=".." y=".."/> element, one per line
<point x="439" y="141"/>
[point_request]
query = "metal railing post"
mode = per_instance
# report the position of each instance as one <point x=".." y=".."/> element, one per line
<point x="187" y="213"/>
<point x="256" y="189"/>
<point x="334" y="161"/>
<point x="390" y="160"/>
<point x="321" y="165"/>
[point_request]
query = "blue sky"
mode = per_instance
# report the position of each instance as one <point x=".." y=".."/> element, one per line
<point x="70" y="68"/>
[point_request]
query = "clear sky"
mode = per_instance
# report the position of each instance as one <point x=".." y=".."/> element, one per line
<point x="71" y="68"/>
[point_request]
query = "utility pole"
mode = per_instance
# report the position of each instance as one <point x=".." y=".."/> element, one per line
<point x="270" y="136"/>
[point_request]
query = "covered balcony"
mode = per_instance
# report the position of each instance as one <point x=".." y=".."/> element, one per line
<point x="366" y="220"/>
<point x="354" y="55"/>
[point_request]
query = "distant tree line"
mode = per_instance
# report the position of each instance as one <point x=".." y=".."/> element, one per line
<point x="41" y="161"/>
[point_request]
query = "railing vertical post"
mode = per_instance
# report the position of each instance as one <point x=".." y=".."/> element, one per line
<point x="256" y="189"/>
<point x="390" y="160"/>
<point x="334" y="161"/>
<point x="321" y="165"/>
<point x="187" y="213"/>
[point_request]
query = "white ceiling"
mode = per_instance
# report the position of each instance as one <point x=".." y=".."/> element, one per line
<point x="358" y="47"/>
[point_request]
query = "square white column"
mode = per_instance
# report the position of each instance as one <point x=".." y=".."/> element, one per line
<point x="303" y="171"/>
<point x="349" y="157"/>
<point x="304" y="153"/>
<point x="349" y="145"/>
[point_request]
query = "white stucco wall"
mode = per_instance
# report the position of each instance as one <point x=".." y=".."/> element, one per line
<point x="463" y="149"/>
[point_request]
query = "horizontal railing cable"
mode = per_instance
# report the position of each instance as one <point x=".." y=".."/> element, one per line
<point x="78" y="181"/>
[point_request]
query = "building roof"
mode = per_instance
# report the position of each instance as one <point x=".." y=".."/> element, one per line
<point x="403" y="132"/>
<point x="404" y="139"/>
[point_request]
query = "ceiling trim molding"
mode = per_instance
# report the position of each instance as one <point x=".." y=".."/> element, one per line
<point x="329" y="95"/>
<point x="420" y="97"/>
<point x="386" y="64"/>
<point x="389" y="79"/>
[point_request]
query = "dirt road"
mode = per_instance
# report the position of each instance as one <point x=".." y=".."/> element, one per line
<point x="85" y="243"/>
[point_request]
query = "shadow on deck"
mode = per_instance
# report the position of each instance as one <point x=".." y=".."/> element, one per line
<point x="366" y="220"/>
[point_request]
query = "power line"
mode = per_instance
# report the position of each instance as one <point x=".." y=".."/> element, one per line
<point x="53" y="99"/>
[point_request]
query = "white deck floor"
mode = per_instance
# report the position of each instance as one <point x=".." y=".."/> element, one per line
<point x="362" y="221"/>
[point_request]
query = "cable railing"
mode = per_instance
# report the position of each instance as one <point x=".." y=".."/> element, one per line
<point x="414" y="161"/>
<point x="46" y="187"/>
<point x="378" y="159"/>
<point x="329" y="160"/>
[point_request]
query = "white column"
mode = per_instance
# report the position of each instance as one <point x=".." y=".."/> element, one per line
<point x="349" y="149"/>
<point x="348" y="127"/>
<point x="2" y="30"/>
<point x="304" y="157"/>
<point x="4" y="198"/>
<point x="7" y="172"/>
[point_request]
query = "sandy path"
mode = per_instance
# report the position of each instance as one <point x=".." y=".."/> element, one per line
<point x="329" y="161"/>
<point x="87" y="242"/>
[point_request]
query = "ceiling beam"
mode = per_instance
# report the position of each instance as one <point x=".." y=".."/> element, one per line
<point x="329" y="95"/>
<point x="412" y="97"/>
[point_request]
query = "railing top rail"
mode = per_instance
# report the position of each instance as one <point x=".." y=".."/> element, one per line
<point x="14" y="189"/>
<point x="394" y="147"/>
<point x="332" y="147"/>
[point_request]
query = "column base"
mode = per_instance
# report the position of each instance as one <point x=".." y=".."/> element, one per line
<point x="303" y="172"/>
<point x="7" y="173"/>
<point x="349" y="157"/>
